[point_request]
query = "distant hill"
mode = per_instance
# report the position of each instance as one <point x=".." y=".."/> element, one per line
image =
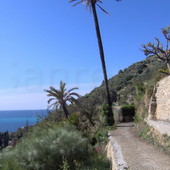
<point x="129" y="83"/>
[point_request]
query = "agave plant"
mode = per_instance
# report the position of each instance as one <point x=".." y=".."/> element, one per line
<point x="62" y="97"/>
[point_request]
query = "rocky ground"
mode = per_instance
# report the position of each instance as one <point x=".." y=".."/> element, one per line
<point x="135" y="153"/>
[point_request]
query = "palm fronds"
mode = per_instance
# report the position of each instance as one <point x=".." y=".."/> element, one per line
<point x="61" y="96"/>
<point x="89" y="3"/>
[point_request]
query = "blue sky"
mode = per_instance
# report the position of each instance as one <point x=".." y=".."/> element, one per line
<point x="45" y="41"/>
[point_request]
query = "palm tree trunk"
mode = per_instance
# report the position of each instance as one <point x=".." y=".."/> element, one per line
<point x="110" y="116"/>
<point x="65" y="111"/>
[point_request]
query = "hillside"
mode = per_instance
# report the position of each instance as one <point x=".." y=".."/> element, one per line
<point x="85" y="132"/>
<point x="133" y="85"/>
<point x="130" y="82"/>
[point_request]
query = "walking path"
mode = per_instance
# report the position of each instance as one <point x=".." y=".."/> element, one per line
<point x="136" y="154"/>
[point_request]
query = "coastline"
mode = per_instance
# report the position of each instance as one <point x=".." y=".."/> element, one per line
<point x="12" y="120"/>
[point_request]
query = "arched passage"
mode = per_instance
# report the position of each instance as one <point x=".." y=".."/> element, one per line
<point x="128" y="113"/>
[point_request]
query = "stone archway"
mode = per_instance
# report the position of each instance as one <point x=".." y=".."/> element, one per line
<point x="124" y="113"/>
<point x="128" y="113"/>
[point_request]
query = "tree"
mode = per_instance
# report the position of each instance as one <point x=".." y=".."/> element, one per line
<point x="61" y="97"/>
<point x="92" y="4"/>
<point x="89" y="110"/>
<point x="6" y="139"/>
<point x="158" y="49"/>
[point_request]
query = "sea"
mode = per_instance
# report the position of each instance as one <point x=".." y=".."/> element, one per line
<point x="13" y="119"/>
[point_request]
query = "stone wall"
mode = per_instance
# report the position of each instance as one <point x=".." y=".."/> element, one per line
<point x="117" y="114"/>
<point x="163" y="99"/>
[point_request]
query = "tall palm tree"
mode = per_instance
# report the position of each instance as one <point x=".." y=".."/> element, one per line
<point x="92" y="5"/>
<point x="61" y="97"/>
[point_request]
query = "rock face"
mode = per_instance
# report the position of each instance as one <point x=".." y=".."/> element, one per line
<point x="159" y="108"/>
<point x="163" y="100"/>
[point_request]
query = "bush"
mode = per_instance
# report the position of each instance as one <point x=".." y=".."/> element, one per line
<point x="164" y="71"/>
<point x="104" y="114"/>
<point x="45" y="149"/>
<point x="138" y="119"/>
<point x="96" y="162"/>
<point x="102" y="134"/>
<point x="74" y="119"/>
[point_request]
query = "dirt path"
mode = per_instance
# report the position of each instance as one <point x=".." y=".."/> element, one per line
<point x="138" y="154"/>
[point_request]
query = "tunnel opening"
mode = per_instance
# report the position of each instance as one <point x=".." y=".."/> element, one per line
<point x="128" y="113"/>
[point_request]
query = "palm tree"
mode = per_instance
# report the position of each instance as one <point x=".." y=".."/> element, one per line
<point x="61" y="97"/>
<point x="92" y="4"/>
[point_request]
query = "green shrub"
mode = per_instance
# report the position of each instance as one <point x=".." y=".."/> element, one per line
<point x="96" y="162"/>
<point x="144" y="133"/>
<point x="45" y="149"/>
<point x="164" y="71"/>
<point x="104" y="114"/>
<point x="9" y="162"/>
<point x="138" y="119"/>
<point x="102" y="134"/>
<point x="65" y="165"/>
<point x="74" y="119"/>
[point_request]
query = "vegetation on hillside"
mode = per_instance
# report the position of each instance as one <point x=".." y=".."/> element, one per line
<point x="57" y="142"/>
<point x="60" y="146"/>
<point x="133" y="85"/>
<point x="130" y="82"/>
<point x="73" y="142"/>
